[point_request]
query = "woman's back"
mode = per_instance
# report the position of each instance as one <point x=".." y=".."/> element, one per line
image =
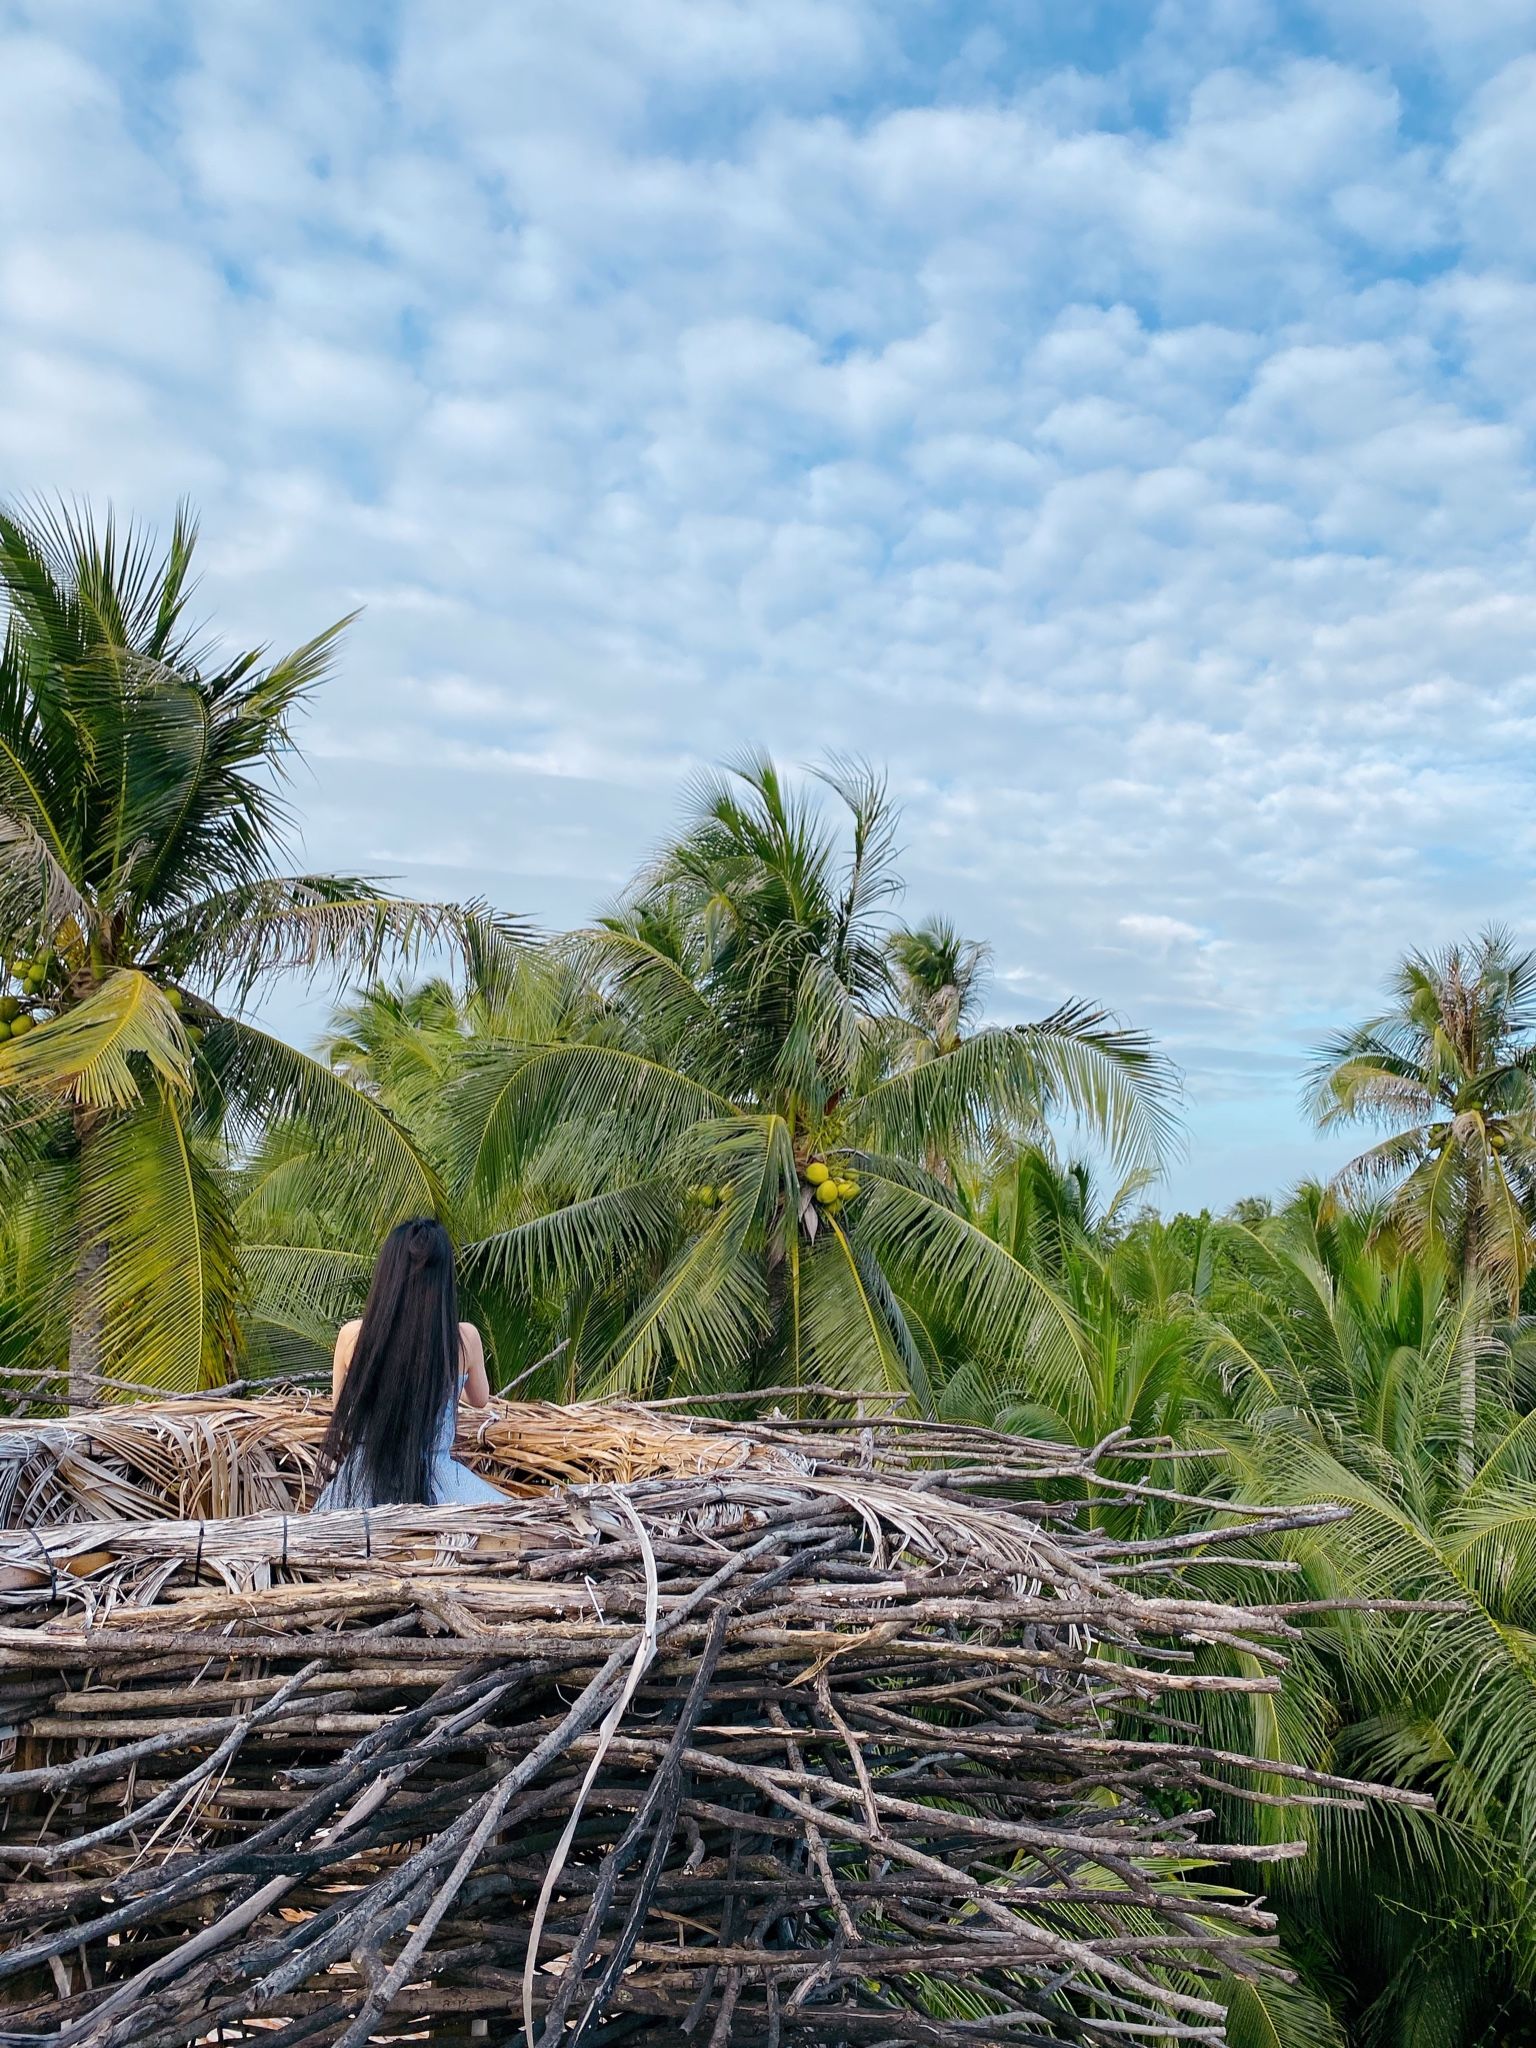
<point x="473" y="1380"/>
<point x="396" y="1377"/>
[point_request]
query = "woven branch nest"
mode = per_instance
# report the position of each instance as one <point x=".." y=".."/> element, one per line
<point x="203" y="1456"/>
<point x="757" y="1735"/>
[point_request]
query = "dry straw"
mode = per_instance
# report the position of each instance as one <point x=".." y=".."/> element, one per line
<point x="757" y="1734"/>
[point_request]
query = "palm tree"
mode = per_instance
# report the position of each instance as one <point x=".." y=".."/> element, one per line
<point x="940" y="983"/>
<point x="309" y="1250"/>
<point x="719" y="1164"/>
<point x="1342" y="1352"/>
<point x="140" y="821"/>
<point x="1303" y="1357"/>
<point x="1450" y="1070"/>
<point x="1134" y="1288"/>
<point x="1311" y="1356"/>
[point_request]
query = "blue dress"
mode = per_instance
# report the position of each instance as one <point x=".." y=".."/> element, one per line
<point x="451" y="1482"/>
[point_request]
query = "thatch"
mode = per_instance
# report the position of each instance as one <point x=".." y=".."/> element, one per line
<point x="775" y="1734"/>
<point x="206" y="1456"/>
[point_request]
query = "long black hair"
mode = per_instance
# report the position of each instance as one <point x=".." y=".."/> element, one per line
<point x="404" y="1369"/>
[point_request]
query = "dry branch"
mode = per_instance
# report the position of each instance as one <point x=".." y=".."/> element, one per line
<point x="788" y="1734"/>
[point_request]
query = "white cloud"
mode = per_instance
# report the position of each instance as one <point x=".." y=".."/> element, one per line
<point x="1161" y="930"/>
<point x="1492" y="168"/>
<point x="1133" y="452"/>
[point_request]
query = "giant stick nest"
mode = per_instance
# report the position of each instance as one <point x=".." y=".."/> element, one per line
<point x="759" y="1733"/>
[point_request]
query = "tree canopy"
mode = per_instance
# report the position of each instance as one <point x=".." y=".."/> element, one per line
<point x="751" y="1133"/>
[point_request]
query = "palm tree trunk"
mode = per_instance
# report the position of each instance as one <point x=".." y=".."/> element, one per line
<point x="86" y="1335"/>
<point x="1470" y="1344"/>
<point x="783" y="1282"/>
<point x="85" y="1332"/>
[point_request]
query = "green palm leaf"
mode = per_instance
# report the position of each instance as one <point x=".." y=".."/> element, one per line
<point x="86" y="1055"/>
<point x="1075" y="1061"/>
<point x="311" y="924"/>
<point x="566" y="1248"/>
<point x="162" y="1261"/>
<point x="995" y="1305"/>
<point x="702" y="1318"/>
<point x="648" y="982"/>
<point x="304" y="1292"/>
<point x="252" y="1079"/>
<point x="1268" y="2012"/>
<point x="853" y="1333"/>
<point x="507" y="1100"/>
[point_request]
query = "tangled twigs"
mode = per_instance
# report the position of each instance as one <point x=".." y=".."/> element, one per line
<point x="811" y="1735"/>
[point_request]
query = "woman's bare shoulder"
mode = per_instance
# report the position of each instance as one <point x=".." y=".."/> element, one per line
<point x="470" y="1339"/>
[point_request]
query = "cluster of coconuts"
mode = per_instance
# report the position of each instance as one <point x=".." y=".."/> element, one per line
<point x="26" y="1004"/>
<point x="830" y="1191"/>
<point x="26" y="1007"/>
<point x="709" y="1197"/>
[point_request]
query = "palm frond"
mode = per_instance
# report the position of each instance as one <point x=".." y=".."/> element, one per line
<point x="992" y="1303"/>
<point x="252" y="1081"/>
<point x="869" y="880"/>
<point x="1110" y="1079"/>
<point x="650" y="983"/>
<point x="854" y="1334"/>
<point x="1269" y="2012"/>
<point x="506" y="1100"/>
<point x="161" y="1277"/>
<point x="336" y="924"/>
<point x="37" y="889"/>
<point x="1360" y="1076"/>
<point x="699" y="1322"/>
<point x="304" y="1291"/>
<point x="1075" y="1062"/>
<point x="566" y="1249"/>
<point x="820" y="1049"/>
<point x="85" y="1056"/>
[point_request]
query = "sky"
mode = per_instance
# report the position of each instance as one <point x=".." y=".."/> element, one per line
<point x="1114" y="420"/>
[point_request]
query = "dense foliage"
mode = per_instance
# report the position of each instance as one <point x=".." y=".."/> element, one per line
<point x="750" y="1132"/>
<point x="719" y="1140"/>
<point x="140" y="826"/>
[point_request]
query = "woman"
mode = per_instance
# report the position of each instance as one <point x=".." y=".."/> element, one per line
<point x="397" y="1380"/>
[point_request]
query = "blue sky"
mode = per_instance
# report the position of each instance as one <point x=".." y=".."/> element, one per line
<point x="1114" y="419"/>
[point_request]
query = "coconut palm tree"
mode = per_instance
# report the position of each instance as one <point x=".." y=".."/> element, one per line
<point x="720" y="1163"/>
<point x="1134" y="1288"/>
<point x="1311" y="1356"/>
<point x="141" y="903"/>
<point x="940" y="983"/>
<point x="1341" y="1350"/>
<point x="1449" y="1069"/>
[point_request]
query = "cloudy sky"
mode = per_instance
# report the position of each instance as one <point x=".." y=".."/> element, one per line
<point x="1120" y="430"/>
